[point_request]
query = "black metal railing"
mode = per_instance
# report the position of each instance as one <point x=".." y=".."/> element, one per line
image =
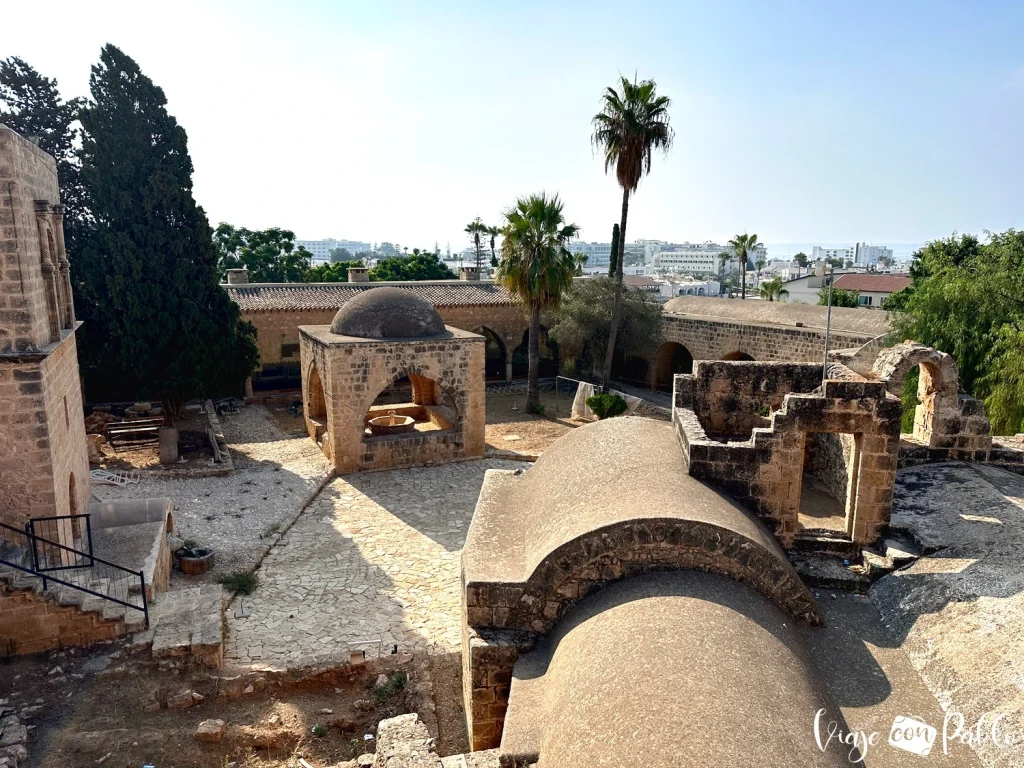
<point x="74" y="528"/>
<point x="24" y="551"/>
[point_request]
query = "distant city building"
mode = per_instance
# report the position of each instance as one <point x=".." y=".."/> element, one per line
<point x="861" y="254"/>
<point x="670" y="289"/>
<point x="598" y="254"/>
<point x="700" y="258"/>
<point x="321" y="249"/>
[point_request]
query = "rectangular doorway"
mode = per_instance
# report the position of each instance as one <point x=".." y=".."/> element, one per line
<point x="828" y="483"/>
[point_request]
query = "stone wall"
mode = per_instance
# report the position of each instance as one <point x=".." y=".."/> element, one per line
<point x="734" y="398"/>
<point x="488" y="656"/>
<point x="831" y="459"/>
<point x="708" y="338"/>
<point x="30" y="623"/>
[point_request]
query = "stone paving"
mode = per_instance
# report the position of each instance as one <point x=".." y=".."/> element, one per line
<point x="240" y="514"/>
<point x="373" y="560"/>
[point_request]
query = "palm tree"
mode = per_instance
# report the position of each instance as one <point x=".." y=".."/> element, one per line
<point x="477" y="228"/>
<point x="742" y="245"/>
<point x="773" y="290"/>
<point x="760" y="265"/>
<point x="537" y="267"/>
<point x="632" y="123"/>
<point x="493" y="232"/>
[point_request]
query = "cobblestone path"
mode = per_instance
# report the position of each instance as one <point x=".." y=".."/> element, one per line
<point x="374" y="558"/>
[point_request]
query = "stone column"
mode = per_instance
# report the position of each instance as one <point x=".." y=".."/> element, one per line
<point x="46" y="263"/>
<point x="508" y="371"/>
<point x="65" y="267"/>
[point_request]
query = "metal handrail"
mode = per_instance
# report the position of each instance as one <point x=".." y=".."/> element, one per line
<point x="75" y="520"/>
<point x="125" y="578"/>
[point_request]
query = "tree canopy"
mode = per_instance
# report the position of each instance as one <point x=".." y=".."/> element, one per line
<point x="420" y="265"/>
<point x="966" y="298"/>
<point x="841" y="297"/>
<point x="334" y="272"/>
<point x="582" y="324"/>
<point x="270" y="255"/>
<point x="158" y="323"/>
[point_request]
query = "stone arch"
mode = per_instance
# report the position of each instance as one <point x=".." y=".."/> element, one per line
<point x="631" y="548"/>
<point x="738" y="355"/>
<point x="316" y="398"/>
<point x="672" y="358"/>
<point x="428" y="389"/>
<point x="939" y="375"/>
<point x="496" y="355"/>
<point x="549" y="362"/>
<point x="48" y="264"/>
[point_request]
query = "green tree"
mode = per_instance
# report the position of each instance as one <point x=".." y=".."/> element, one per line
<point x="333" y="272"/>
<point x="760" y="265"/>
<point x="885" y="261"/>
<point x="773" y="290"/>
<point x="582" y="324"/>
<point x="801" y="259"/>
<point x="159" y="324"/>
<point x="536" y="267"/>
<point x="840" y="297"/>
<point x="493" y="232"/>
<point x="723" y="258"/>
<point x="632" y="123"/>
<point x="340" y="254"/>
<point x="743" y="245"/>
<point x="476" y="229"/>
<point x="388" y="249"/>
<point x="421" y="265"/>
<point x="967" y="298"/>
<point x="31" y="105"/>
<point x="613" y="260"/>
<point x="270" y="255"/>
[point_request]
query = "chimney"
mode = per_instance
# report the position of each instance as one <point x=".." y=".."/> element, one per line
<point x="359" y="274"/>
<point x="238" y="276"/>
<point x="468" y="273"/>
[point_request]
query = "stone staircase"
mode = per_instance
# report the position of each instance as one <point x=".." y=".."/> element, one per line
<point x="73" y="594"/>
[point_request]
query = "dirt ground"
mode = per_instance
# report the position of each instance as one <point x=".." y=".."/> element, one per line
<point x="193" y="447"/>
<point x="87" y="708"/>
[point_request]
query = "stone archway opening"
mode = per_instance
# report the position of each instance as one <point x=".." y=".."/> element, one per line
<point x="737" y="355"/>
<point x="316" y="408"/>
<point x="430" y="406"/>
<point x="549" y="359"/>
<point x="672" y="358"/>
<point x="828" y="484"/>
<point x="495" y="355"/>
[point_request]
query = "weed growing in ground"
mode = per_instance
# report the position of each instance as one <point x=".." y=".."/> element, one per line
<point x="240" y="582"/>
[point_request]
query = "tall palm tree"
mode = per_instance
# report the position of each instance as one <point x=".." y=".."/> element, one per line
<point x="772" y="290"/>
<point x="760" y="265"/>
<point x="537" y="267"/>
<point x="475" y="228"/>
<point x="632" y="123"/>
<point x="742" y="245"/>
<point x="493" y="232"/>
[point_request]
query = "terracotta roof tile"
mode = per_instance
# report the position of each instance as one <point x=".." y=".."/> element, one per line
<point x="872" y="283"/>
<point x="252" y="297"/>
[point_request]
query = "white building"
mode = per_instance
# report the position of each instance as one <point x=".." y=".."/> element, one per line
<point x="700" y="258"/>
<point x="672" y="288"/>
<point x="598" y="254"/>
<point x="321" y="249"/>
<point x="861" y="254"/>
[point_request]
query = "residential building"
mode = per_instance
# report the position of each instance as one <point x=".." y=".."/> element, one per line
<point x="700" y="258"/>
<point x="861" y="254"/>
<point x="872" y="289"/>
<point x="321" y="249"/>
<point x="671" y="288"/>
<point x="598" y="254"/>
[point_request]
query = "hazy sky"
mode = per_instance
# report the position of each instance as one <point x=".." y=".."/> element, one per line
<point x="891" y="122"/>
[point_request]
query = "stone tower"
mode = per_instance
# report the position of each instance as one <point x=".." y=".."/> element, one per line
<point x="44" y="466"/>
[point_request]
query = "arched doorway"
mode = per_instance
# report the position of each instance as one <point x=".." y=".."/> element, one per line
<point x="495" y="356"/>
<point x="672" y="358"/>
<point x="738" y="356"/>
<point x="316" y="410"/>
<point x="548" y="356"/>
<point x="431" y="407"/>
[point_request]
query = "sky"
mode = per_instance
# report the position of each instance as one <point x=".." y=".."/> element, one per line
<point x="805" y="122"/>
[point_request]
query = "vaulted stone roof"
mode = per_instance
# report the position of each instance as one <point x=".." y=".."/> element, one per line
<point x="387" y="313"/>
<point x="871" y="322"/>
<point x="252" y="297"/>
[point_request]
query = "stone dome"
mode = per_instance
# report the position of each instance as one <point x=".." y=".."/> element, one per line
<point x="387" y="313"/>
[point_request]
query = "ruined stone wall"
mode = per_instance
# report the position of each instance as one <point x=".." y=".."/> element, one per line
<point x="711" y="339"/>
<point x="27" y="174"/>
<point x="734" y="398"/>
<point x="30" y="624"/>
<point x="832" y="461"/>
<point x="488" y="656"/>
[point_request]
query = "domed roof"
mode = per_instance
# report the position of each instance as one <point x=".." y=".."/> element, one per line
<point x="387" y="313"/>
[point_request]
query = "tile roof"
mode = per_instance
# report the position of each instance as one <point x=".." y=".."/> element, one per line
<point x="252" y="297"/>
<point x="872" y="283"/>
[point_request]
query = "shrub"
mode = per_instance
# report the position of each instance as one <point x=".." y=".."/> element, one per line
<point x="394" y="686"/>
<point x="607" y="405"/>
<point x="240" y="582"/>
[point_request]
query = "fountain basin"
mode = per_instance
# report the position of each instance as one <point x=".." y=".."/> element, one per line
<point x="392" y="424"/>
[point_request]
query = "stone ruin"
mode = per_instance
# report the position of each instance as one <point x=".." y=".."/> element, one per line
<point x="379" y="338"/>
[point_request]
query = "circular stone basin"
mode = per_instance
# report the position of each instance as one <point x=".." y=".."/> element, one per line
<point x="392" y="424"/>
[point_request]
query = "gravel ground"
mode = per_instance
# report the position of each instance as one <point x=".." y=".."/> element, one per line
<point x="238" y="514"/>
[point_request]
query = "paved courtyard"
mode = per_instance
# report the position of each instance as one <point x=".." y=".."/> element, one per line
<point x="374" y="559"/>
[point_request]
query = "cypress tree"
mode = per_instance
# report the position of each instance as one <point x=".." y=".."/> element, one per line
<point x="159" y="325"/>
<point x="615" y="251"/>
